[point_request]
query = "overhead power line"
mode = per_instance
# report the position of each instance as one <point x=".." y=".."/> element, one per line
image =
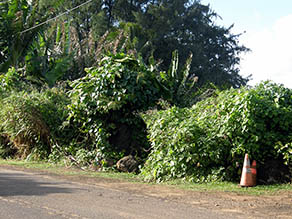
<point x="54" y="18"/>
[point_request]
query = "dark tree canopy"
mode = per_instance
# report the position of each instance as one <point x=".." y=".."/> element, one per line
<point x="189" y="28"/>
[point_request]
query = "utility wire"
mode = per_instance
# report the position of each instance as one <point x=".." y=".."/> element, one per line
<point x="54" y="18"/>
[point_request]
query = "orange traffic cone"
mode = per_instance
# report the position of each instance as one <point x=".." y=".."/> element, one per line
<point x="246" y="176"/>
<point x="254" y="171"/>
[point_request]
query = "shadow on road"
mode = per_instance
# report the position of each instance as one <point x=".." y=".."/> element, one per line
<point x="14" y="184"/>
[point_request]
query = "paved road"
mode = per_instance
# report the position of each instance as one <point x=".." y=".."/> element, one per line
<point x="26" y="195"/>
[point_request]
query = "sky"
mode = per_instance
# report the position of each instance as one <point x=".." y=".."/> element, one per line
<point x="267" y="30"/>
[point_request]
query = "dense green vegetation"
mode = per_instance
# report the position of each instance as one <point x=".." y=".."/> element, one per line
<point x="208" y="141"/>
<point x="31" y="119"/>
<point x="64" y="47"/>
<point x="105" y="103"/>
<point x="116" y="78"/>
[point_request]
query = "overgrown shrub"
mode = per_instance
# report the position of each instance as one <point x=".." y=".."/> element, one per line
<point x="17" y="81"/>
<point x="6" y="150"/>
<point x="175" y="141"/>
<point x="208" y="141"/>
<point x="10" y="81"/>
<point x="105" y="104"/>
<point x="31" y="122"/>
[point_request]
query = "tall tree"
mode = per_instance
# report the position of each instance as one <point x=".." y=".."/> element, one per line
<point x="189" y="27"/>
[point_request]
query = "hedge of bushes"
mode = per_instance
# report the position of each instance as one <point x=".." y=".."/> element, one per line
<point x="208" y="141"/>
<point x="97" y="123"/>
<point x="30" y="118"/>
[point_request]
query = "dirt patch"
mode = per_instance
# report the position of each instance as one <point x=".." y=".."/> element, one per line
<point x="265" y="206"/>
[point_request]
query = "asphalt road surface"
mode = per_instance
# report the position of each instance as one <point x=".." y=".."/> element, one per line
<point x="35" y="195"/>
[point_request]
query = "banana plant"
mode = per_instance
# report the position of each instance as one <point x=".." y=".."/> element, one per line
<point x="17" y="19"/>
<point x="41" y="50"/>
<point x="179" y="84"/>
